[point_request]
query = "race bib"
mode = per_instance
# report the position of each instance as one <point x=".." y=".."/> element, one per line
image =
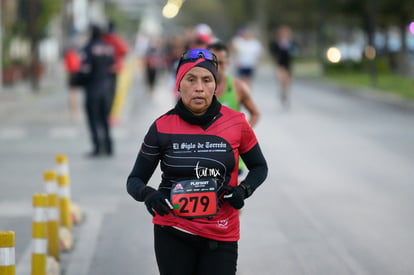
<point x="194" y="198"/>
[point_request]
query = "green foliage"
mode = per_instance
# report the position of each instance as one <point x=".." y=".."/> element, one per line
<point x="5" y="60"/>
<point x="341" y="67"/>
<point x="381" y="64"/>
<point x="35" y="16"/>
<point x="115" y="14"/>
<point x="363" y="66"/>
<point x="48" y="9"/>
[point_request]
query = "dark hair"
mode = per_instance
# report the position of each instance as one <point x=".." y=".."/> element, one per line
<point x="218" y="46"/>
<point x="111" y="26"/>
<point x="96" y="31"/>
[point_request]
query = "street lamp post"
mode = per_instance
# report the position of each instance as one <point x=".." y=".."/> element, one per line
<point x="321" y="33"/>
<point x="371" y="10"/>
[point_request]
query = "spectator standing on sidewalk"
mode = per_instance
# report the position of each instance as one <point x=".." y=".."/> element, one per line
<point x="247" y="50"/>
<point x="281" y="48"/>
<point x="96" y="74"/>
<point x="195" y="209"/>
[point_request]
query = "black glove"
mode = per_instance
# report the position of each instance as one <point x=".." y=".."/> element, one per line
<point x="157" y="202"/>
<point x="235" y="196"/>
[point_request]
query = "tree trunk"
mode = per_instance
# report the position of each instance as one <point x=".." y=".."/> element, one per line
<point x="403" y="65"/>
<point x="34" y="41"/>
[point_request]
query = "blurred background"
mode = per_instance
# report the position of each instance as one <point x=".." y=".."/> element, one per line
<point x="351" y="41"/>
<point x="339" y="194"/>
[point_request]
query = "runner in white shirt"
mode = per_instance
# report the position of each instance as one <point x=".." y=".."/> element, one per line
<point x="247" y="51"/>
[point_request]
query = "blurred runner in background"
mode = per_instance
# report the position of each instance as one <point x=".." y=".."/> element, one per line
<point x="247" y="51"/>
<point x="153" y="60"/>
<point x="72" y="63"/>
<point x="281" y="49"/>
<point x="233" y="92"/>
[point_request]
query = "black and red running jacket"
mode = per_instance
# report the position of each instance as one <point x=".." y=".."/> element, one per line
<point x="187" y="151"/>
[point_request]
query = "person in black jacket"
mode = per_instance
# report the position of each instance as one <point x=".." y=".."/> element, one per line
<point x="95" y="72"/>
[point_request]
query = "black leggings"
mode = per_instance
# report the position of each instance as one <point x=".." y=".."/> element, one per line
<point x="179" y="253"/>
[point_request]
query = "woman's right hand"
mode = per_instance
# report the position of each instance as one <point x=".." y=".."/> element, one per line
<point x="157" y="203"/>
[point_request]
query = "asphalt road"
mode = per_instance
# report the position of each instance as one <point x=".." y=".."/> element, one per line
<point x="338" y="198"/>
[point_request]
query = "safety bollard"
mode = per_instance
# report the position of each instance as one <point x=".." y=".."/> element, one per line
<point x="62" y="163"/>
<point x="62" y="169"/>
<point x="39" y="235"/>
<point x="65" y="230"/>
<point x="7" y="253"/>
<point x="53" y="214"/>
<point x="64" y="201"/>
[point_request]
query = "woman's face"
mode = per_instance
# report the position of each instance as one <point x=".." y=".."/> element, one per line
<point x="197" y="89"/>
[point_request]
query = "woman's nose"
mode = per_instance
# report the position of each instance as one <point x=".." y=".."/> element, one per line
<point x="199" y="85"/>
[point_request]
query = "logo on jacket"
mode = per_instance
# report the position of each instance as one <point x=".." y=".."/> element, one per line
<point x="206" y="172"/>
<point x="178" y="186"/>
<point x="223" y="223"/>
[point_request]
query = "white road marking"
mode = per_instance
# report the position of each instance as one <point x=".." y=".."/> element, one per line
<point x="16" y="208"/>
<point x="120" y="133"/>
<point x="13" y="133"/>
<point x="63" y="132"/>
<point x="56" y="133"/>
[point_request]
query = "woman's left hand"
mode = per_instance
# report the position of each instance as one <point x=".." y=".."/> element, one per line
<point x="235" y="196"/>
